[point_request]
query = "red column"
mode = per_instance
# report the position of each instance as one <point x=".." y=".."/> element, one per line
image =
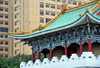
<point x="90" y="45"/>
<point x="38" y="54"/>
<point x="33" y="56"/>
<point x="51" y="54"/>
<point x="81" y="48"/>
<point x="65" y="50"/>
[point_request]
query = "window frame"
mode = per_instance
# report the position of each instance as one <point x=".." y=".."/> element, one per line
<point x="41" y="5"/>
<point x="52" y="13"/>
<point x="41" y="20"/>
<point x="6" y="2"/>
<point x="52" y="6"/>
<point x="58" y="0"/>
<point x="47" y="12"/>
<point x="41" y="12"/>
<point x="48" y="19"/>
<point x="47" y="5"/>
<point x="3" y="29"/>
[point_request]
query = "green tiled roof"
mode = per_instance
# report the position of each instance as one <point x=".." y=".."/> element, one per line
<point x="64" y="20"/>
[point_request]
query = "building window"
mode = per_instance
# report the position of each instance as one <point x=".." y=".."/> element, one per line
<point x="69" y="2"/>
<point x="16" y="16"/>
<point x="15" y="9"/>
<point x="47" y="5"/>
<point x="6" y="9"/>
<point x="1" y="9"/>
<point x="41" y="20"/>
<point x="2" y="29"/>
<point x="47" y="12"/>
<point x="58" y="6"/>
<point x="47" y="20"/>
<point x="1" y="16"/>
<point x="6" y="3"/>
<point x="1" y="2"/>
<point x="58" y="0"/>
<point x="1" y="22"/>
<point x="63" y="1"/>
<point x="6" y="49"/>
<point x="6" y="56"/>
<point x="15" y="45"/>
<point x="6" y="36"/>
<point x="52" y="13"/>
<point x="15" y="23"/>
<point x="74" y="3"/>
<point x="15" y="1"/>
<point x="1" y="36"/>
<point x="41" y="12"/>
<point x="17" y="29"/>
<point x="1" y="49"/>
<point x="41" y="5"/>
<point x="52" y="0"/>
<point x="1" y="42"/>
<point x="80" y="3"/>
<point x="6" y="16"/>
<point x="15" y="52"/>
<point x="6" y="23"/>
<point x="53" y="6"/>
<point x="6" y="43"/>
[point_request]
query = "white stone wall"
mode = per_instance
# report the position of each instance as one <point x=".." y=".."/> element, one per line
<point x="87" y="59"/>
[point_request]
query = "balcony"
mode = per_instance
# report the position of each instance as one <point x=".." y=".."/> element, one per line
<point x="3" y="19"/>
<point x="3" y="12"/>
<point x="3" y="5"/>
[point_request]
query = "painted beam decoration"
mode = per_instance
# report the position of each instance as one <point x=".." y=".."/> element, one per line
<point x="66" y="28"/>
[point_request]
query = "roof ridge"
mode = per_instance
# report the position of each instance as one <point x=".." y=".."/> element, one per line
<point x="81" y="6"/>
<point x="95" y="8"/>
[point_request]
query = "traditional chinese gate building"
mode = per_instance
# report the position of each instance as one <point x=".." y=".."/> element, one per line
<point x="74" y="30"/>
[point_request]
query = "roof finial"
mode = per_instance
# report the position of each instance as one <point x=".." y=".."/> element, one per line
<point x="87" y="9"/>
<point x="64" y="7"/>
<point x="80" y="14"/>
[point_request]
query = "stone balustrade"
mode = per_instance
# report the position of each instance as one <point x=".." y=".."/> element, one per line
<point x="86" y="60"/>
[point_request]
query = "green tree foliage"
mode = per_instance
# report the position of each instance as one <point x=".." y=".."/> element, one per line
<point x="3" y="62"/>
<point x="14" y="62"/>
